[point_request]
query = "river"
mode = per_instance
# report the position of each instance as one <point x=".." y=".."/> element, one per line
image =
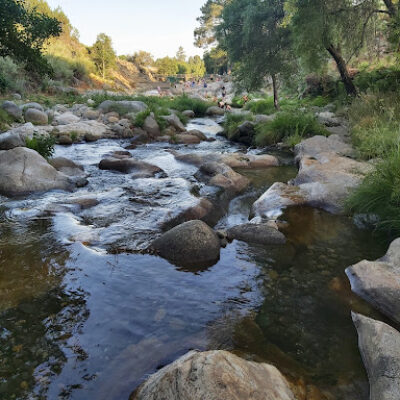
<point x="84" y="315"/>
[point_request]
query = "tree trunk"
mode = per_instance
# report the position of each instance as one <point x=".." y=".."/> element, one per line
<point x="343" y="71"/>
<point x="391" y="7"/>
<point x="275" y="88"/>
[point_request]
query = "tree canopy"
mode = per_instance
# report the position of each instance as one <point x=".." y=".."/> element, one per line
<point x="103" y="54"/>
<point x="23" y="32"/>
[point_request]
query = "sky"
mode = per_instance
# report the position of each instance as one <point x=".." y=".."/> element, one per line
<point x="157" y="26"/>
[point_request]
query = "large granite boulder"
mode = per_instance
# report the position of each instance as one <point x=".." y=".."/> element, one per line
<point x="191" y="244"/>
<point x="66" y="166"/>
<point x="126" y="106"/>
<point x="256" y="233"/>
<point x="65" y="119"/>
<point x="379" y="345"/>
<point x="215" y="375"/>
<point x="12" y="109"/>
<point x="175" y="122"/>
<point x="24" y="171"/>
<point x="88" y="130"/>
<point x="151" y="126"/>
<point x="36" y="117"/>
<point x="378" y="282"/>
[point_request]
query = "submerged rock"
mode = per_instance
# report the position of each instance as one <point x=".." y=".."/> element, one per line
<point x="24" y="171"/>
<point x="379" y="345"/>
<point x="127" y="165"/>
<point x="66" y="166"/>
<point x="191" y="244"/>
<point x="256" y="233"/>
<point x="185" y="138"/>
<point x="378" y="282"/>
<point x="215" y="375"/>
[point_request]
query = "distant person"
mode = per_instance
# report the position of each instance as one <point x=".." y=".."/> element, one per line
<point x="223" y="92"/>
<point x="245" y="99"/>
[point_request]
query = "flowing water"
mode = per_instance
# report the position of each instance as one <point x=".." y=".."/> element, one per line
<point x="81" y="321"/>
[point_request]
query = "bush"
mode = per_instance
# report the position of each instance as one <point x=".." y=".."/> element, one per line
<point x="183" y="103"/>
<point x="265" y="106"/>
<point x="62" y="69"/>
<point x="141" y="117"/>
<point x="379" y="194"/>
<point x="385" y="79"/>
<point x="232" y="123"/>
<point x="12" y="76"/>
<point x="44" y="145"/>
<point x="5" y="120"/>
<point x="285" y="125"/>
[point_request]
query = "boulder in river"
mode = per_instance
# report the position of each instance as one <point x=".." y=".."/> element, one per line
<point x="24" y="171"/>
<point x="175" y="122"/>
<point x="215" y="111"/>
<point x="88" y="130"/>
<point x="378" y="282"/>
<point x="250" y="161"/>
<point x="379" y="345"/>
<point x="66" y="166"/>
<point x="215" y="375"/>
<point x="36" y="117"/>
<point x="189" y="113"/>
<point x="256" y="233"/>
<point x="191" y="244"/>
<point x="140" y="169"/>
<point x="12" y="109"/>
<point x="151" y="126"/>
<point x="185" y="138"/>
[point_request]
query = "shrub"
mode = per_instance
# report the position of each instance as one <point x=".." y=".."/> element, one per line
<point x="374" y="123"/>
<point x="141" y="117"/>
<point x="44" y="145"/>
<point x="184" y="102"/>
<point x="62" y="69"/>
<point x="379" y="194"/>
<point x="12" y="76"/>
<point x="287" y="124"/>
<point x="265" y="106"/>
<point x="232" y="123"/>
<point x="5" y="120"/>
<point x="183" y="118"/>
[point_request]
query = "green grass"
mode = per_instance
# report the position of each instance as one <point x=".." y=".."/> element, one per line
<point x="288" y="125"/>
<point x="375" y="124"/>
<point x="5" y="120"/>
<point x="379" y="194"/>
<point x="265" y="106"/>
<point x="44" y="145"/>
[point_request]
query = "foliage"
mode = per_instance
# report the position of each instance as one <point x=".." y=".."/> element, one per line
<point x="23" y="32"/>
<point x="380" y="80"/>
<point x="375" y="124"/>
<point x="141" y="117"/>
<point x="285" y="125"/>
<point x="379" y="194"/>
<point x="142" y="59"/>
<point x="216" y="61"/>
<point x="103" y="54"/>
<point x="167" y="66"/>
<point x="44" y="145"/>
<point x="233" y="121"/>
<point x="12" y="76"/>
<point x="5" y="120"/>
<point x="180" y="54"/>
<point x="264" y="106"/>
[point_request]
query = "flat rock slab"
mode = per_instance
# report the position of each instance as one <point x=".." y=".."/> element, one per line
<point x="379" y="345"/>
<point x="256" y="233"/>
<point x="88" y="130"/>
<point x="215" y="375"/>
<point x="378" y="282"/>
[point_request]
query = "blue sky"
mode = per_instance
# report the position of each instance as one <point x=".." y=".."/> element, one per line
<point x="158" y="26"/>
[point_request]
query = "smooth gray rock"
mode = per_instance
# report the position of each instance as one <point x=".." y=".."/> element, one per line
<point x="12" y="109"/>
<point x="66" y="166"/>
<point x="189" y="113"/>
<point x="125" y="105"/>
<point x="379" y="345"/>
<point x="140" y="168"/>
<point x="256" y="233"/>
<point x="174" y="121"/>
<point x="215" y="375"/>
<point x="36" y="117"/>
<point x="378" y="282"/>
<point x="65" y="119"/>
<point x="192" y="244"/>
<point x="34" y="105"/>
<point x="151" y="126"/>
<point x="215" y="111"/>
<point x="24" y="171"/>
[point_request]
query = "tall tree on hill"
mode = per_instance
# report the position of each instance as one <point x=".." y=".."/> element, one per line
<point x="256" y="40"/>
<point x="23" y="33"/>
<point x="180" y="54"/>
<point x="103" y="54"/>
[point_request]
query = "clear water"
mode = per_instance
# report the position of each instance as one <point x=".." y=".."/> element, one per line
<point x="79" y="322"/>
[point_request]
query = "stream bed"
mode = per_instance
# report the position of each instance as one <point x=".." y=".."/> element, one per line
<point x="80" y="319"/>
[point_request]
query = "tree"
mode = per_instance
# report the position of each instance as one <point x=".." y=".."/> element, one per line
<point x="332" y="28"/>
<point x="205" y="34"/>
<point x="216" y="61"/>
<point x="142" y="59"/>
<point x="180" y="54"/>
<point x="196" y="66"/>
<point x="103" y="54"/>
<point x="23" y="33"/>
<point x="256" y="40"/>
<point x="167" y="66"/>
